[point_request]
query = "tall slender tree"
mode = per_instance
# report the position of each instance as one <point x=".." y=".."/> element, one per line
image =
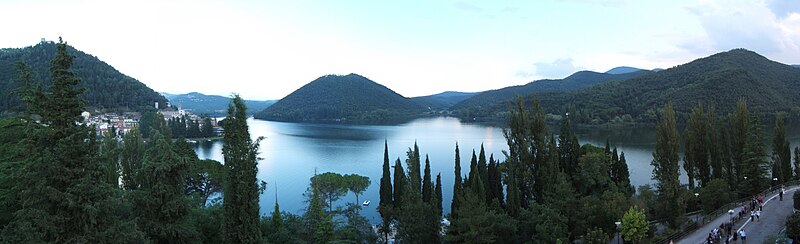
<point x="696" y="141"/>
<point x="796" y="162"/>
<point x="457" y="186"/>
<point x="400" y="185"/>
<point x="714" y="148"/>
<point x="240" y="202"/>
<point x="427" y="185"/>
<point x="781" y="153"/>
<point x="665" y="167"/>
<point x="437" y="199"/>
<point x="386" y="201"/>
<point x="132" y="158"/>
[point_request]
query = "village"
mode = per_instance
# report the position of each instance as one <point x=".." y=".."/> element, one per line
<point x="123" y="122"/>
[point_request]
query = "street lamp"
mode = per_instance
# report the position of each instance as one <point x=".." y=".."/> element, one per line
<point x="697" y="200"/>
<point x="619" y="236"/>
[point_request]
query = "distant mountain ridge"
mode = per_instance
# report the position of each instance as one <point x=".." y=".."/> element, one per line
<point x="576" y="81"/>
<point x="443" y="100"/>
<point x="106" y="87"/>
<point x="622" y="70"/>
<point x="212" y="105"/>
<point x="719" y="80"/>
<point x="350" y="99"/>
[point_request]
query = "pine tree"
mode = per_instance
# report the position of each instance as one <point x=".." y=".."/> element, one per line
<point x="781" y="153"/>
<point x="160" y="205"/>
<point x="457" y="186"/>
<point x="427" y="185"/>
<point x="63" y="195"/>
<point x="665" y="167"/>
<point x="240" y="202"/>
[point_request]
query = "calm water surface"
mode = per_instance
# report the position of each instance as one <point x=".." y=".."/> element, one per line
<point x="292" y="152"/>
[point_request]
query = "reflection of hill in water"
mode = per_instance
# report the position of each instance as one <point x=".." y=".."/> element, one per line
<point x="336" y="132"/>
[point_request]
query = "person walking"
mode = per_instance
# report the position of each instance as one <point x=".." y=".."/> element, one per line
<point x="758" y="215"/>
<point x="735" y="237"/>
<point x="743" y="235"/>
<point x="781" y="193"/>
<point x="752" y="216"/>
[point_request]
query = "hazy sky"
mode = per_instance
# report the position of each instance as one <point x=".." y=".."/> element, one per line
<point x="267" y="49"/>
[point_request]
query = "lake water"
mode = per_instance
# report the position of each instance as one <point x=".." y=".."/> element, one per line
<point x="292" y="152"/>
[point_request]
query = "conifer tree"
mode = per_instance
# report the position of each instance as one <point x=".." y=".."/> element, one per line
<point x="482" y="167"/>
<point x="132" y="159"/>
<point x="666" y="169"/>
<point x="400" y="185"/>
<point x="160" y="205"/>
<point x="427" y="185"/>
<point x="796" y="162"/>
<point x="64" y="197"/>
<point x="240" y="202"/>
<point x="414" y="170"/>
<point x="457" y="186"/>
<point x="473" y="170"/>
<point x="109" y="153"/>
<point x="437" y="199"/>
<point x="386" y="202"/>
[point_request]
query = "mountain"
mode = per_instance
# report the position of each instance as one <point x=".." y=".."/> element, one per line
<point x="106" y="87"/>
<point x="212" y="105"/>
<point x="796" y="65"/>
<point x="622" y="70"/>
<point x="576" y="81"/>
<point x="351" y="99"/>
<point x="719" y="80"/>
<point x="443" y="100"/>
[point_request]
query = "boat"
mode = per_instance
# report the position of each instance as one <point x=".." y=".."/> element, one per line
<point x="366" y="203"/>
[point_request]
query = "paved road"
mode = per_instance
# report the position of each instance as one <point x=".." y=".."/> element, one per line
<point x="772" y="220"/>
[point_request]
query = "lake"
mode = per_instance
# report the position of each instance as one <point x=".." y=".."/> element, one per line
<point x="292" y="152"/>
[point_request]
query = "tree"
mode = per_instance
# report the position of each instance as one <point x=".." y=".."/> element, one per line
<point x="160" y="205"/>
<point x="386" y="202"/>
<point x="109" y="153"/>
<point x="665" y="168"/>
<point x="739" y="126"/>
<point x="797" y="161"/>
<point x="207" y="129"/>
<point x="714" y="147"/>
<point x="437" y="199"/>
<point x="240" y="201"/>
<point x="132" y="158"/>
<point x="356" y="184"/>
<point x="696" y="141"/>
<point x="781" y="153"/>
<point x="634" y="225"/>
<point x="596" y="236"/>
<point x="754" y="164"/>
<point x="793" y="226"/>
<point x="427" y="184"/>
<point x="716" y="194"/>
<point x="331" y="186"/>
<point x="414" y="170"/>
<point x="400" y="185"/>
<point x="63" y="196"/>
<point x="206" y="177"/>
<point x="315" y="213"/>
<point x="457" y="186"/>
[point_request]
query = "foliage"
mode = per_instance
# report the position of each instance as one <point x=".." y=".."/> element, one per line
<point x="634" y="225"/>
<point x="351" y="98"/>
<point x="206" y="178"/>
<point x="331" y="186"/>
<point x="793" y="226"/>
<point x="596" y="236"/>
<point x="781" y="153"/>
<point x="240" y="203"/>
<point x="666" y="169"/>
<point x="716" y="194"/>
<point x="105" y="87"/>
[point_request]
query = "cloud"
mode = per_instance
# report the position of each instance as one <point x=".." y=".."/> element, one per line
<point x="769" y="27"/>
<point x="558" y="69"/>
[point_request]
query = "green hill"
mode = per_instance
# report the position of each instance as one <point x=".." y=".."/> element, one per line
<point x="718" y="80"/>
<point x="576" y="81"/>
<point x="348" y="99"/>
<point x="212" y="105"/>
<point x="443" y="100"/>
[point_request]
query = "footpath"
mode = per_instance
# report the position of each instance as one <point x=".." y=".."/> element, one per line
<point x="772" y="220"/>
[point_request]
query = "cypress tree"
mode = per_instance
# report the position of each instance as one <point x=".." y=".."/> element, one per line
<point x="482" y="168"/>
<point x="427" y="185"/>
<point x="386" y="202"/>
<point x="457" y="186"/>
<point x="437" y="200"/>
<point x="64" y="197"/>
<point x="240" y="202"/>
<point x="624" y="174"/>
<point x="414" y="170"/>
<point x="665" y="168"/>
<point x="400" y="185"/>
<point x="473" y="170"/>
<point x="781" y="153"/>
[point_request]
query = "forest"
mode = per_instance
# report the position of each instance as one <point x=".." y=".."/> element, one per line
<point x="60" y="182"/>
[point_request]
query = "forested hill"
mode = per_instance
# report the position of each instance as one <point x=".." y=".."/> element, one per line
<point x="719" y="80"/>
<point x="106" y="88"/>
<point x="351" y="99"/>
<point x="443" y="100"/>
<point x="577" y="81"/>
<point x="212" y="105"/>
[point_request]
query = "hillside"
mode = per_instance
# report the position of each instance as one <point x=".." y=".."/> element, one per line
<point x="718" y="80"/>
<point x="106" y="88"/>
<point x="212" y="105"/>
<point x="576" y="81"/>
<point x="350" y="99"/>
<point x="443" y="100"/>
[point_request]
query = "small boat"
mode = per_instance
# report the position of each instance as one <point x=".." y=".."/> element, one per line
<point x="366" y="203"/>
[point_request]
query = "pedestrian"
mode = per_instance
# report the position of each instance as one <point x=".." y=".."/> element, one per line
<point x="744" y="236"/>
<point x="761" y="206"/>
<point x="781" y="193"/>
<point x="758" y="215"/>
<point x="752" y="215"/>
<point x="735" y="237"/>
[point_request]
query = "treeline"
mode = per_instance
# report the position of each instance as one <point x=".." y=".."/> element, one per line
<point x="105" y="87"/>
<point x="545" y="192"/>
<point x="725" y="159"/>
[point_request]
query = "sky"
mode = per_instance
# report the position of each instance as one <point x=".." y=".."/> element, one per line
<point x="266" y="49"/>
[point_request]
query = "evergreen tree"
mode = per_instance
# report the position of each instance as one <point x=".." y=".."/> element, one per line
<point x="665" y="168"/>
<point x="482" y="168"/>
<point x="427" y="184"/>
<point x="528" y="146"/>
<point x="207" y="129"/>
<point x="400" y="185"/>
<point x="437" y="199"/>
<point x="414" y="170"/>
<point x="495" y="184"/>
<point x="624" y="175"/>
<point x="796" y="162"/>
<point x="457" y="186"/>
<point x="713" y="147"/>
<point x="754" y="165"/>
<point x="240" y="201"/>
<point x="696" y="141"/>
<point x="386" y="202"/>
<point x="132" y="159"/>
<point x="109" y="153"/>
<point x="688" y="161"/>
<point x="473" y="170"/>
<point x="160" y="205"/>
<point x="726" y="159"/>
<point x="739" y="126"/>
<point x="63" y="196"/>
<point x="315" y="215"/>
<point x="781" y="153"/>
<point x="568" y="148"/>
<point x="547" y="173"/>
